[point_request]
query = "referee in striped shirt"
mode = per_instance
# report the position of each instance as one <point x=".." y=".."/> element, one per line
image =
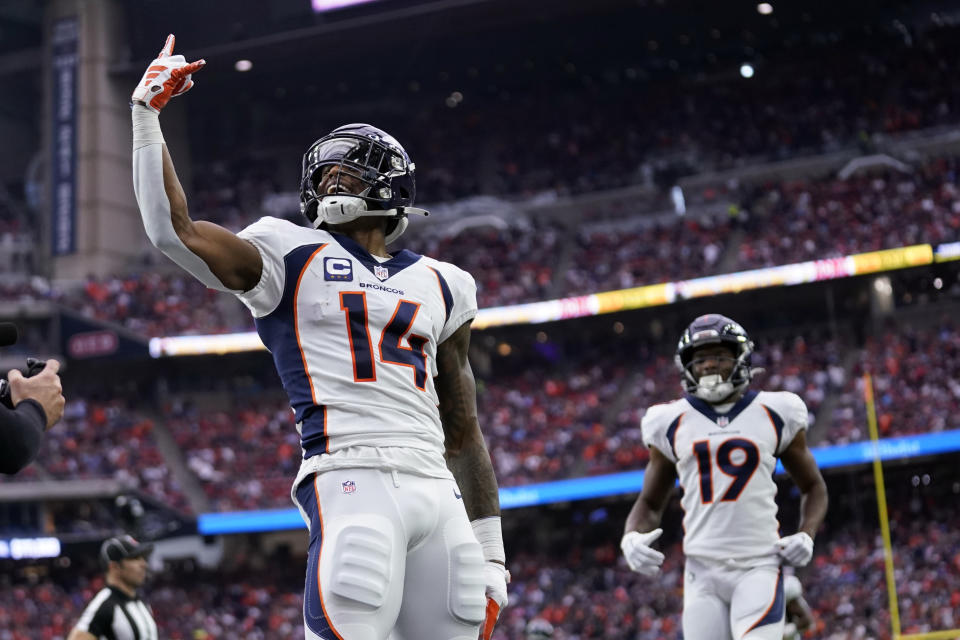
<point x="117" y="612"/>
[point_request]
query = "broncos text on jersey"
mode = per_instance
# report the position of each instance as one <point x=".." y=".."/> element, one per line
<point x="725" y="463"/>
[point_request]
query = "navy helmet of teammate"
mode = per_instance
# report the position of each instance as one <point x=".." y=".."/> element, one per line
<point x="395" y="483"/>
<point x="714" y="334"/>
<point x="722" y="441"/>
<point x="538" y="629"/>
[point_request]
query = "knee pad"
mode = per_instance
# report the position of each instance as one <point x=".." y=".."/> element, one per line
<point x="361" y="561"/>
<point x="467" y="588"/>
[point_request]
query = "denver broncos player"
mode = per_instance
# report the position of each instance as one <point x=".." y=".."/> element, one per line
<point x="723" y="441"/>
<point x="799" y="613"/>
<point x="372" y="351"/>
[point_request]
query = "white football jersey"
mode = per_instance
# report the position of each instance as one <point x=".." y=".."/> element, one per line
<point x="725" y="464"/>
<point x="355" y="340"/>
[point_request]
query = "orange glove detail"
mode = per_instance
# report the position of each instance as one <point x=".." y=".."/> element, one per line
<point x="490" y="620"/>
<point x="167" y="76"/>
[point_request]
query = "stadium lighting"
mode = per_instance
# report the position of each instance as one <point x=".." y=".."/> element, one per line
<point x="764" y="8"/>
<point x="454" y="99"/>
<point x="746" y="70"/>
<point x="320" y="6"/>
<point x="243" y="65"/>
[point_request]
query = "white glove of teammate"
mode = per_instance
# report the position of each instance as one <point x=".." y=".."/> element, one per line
<point x="641" y="557"/>
<point x="796" y="550"/>
<point x="790" y="632"/>
<point x="167" y="76"/>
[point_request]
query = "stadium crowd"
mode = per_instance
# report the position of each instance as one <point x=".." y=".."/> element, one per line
<point x="915" y="373"/>
<point x="576" y="579"/>
<point x="592" y="124"/>
<point x="781" y="223"/>
<point x="590" y="593"/>
<point x="106" y="439"/>
<point x="556" y="416"/>
<point x="244" y="456"/>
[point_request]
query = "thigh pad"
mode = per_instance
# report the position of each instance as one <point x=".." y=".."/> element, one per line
<point x="360" y="560"/>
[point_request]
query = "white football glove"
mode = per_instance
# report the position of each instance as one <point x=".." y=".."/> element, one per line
<point x="796" y="550"/>
<point x="167" y="76"/>
<point x="641" y="557"/>
<point x="497" y="577"/>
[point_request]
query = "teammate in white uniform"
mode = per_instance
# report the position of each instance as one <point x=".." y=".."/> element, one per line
<point x="799" y="614"/>
<point x="723" y="442"/>
<point x="372" y="351"/>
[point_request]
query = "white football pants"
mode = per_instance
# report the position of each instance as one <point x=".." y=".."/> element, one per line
<point x="392" y="555"/>
<point x="725" y="603"/>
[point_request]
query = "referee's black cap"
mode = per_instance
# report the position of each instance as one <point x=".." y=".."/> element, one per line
<point x="123" y="547"/>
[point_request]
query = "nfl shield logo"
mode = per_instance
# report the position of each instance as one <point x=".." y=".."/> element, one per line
<point x="723" y="421"/>
<point x="348" y="486"/>
<point x="381" y="272"/>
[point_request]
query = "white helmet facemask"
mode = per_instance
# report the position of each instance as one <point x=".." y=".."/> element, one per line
<point x="713" y="387"/>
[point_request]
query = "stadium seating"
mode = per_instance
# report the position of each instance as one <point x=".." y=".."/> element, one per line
<point x="585" y="591"/>
<point x="915" y="373"/>
<point x="781" y="223"/>
<point x="542" y="422"/>
<point x="106" y="439"/>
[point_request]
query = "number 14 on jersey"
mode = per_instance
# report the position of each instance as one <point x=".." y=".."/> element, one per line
<point x="390" y="347"/>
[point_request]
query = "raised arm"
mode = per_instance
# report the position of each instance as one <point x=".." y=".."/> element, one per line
<point x="212" y="254"/>
<point x="469" y="461"/>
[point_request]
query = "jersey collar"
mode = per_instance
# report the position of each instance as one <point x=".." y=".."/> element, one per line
<point x="400" y="261"/>
<point x="122" y="594"/>
<point x="707" y="409"/>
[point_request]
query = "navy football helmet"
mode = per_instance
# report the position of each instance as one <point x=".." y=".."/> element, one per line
<point x="709" y="330"/>
<point x="370" y="155"/>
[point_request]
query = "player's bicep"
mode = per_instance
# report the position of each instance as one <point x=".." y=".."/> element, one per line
<point x="77" y="634"/>
<point x="456" y="389"/>
<point x="659" y="478"/>
<point x="799" y="462"/>
<point x="235" y="261"/>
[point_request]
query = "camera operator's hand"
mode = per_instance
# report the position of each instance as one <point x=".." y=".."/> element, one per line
<point x="45" y="388"/>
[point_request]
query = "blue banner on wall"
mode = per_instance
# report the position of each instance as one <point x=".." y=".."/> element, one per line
<point x="63" y="155"/>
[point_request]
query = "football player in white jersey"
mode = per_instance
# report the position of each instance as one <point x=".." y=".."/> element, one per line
<point x="722" y="441"/>
<point x="372" y="351"/>
<point x="799" y="614"/>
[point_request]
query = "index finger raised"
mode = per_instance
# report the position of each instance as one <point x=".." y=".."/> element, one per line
<point x="167" y="46"/>
<point x="52" y="366"/>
